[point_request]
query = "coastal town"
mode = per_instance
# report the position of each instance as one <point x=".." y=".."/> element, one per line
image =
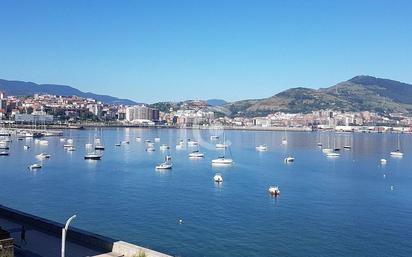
<point x="52" y="110"/>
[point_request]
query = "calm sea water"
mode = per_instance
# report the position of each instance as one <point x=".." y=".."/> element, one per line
<point x="328" y="207"/>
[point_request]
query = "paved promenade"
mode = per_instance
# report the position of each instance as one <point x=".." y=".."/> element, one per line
<point x="45" y="245"/>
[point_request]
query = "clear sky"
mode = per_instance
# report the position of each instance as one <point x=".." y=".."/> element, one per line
<point x="157" y="50"/>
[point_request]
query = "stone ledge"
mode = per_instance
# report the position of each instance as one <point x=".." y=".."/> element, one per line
<point x="129" y="250"/>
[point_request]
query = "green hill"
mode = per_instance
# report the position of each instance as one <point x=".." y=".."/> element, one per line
<point x="361" y="93"/>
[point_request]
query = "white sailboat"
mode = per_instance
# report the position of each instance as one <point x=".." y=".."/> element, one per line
<point x="150" y="148"/>
<point x="166" y="165"/>
<point x="328" y="149"/>
<point x="397" y="152"/>
<point x="196" y="154"/>
<point x="69" y="142"/>
<point x="4" y="153"/>
<point x="262" y="148"/>
<point x="98" y="145"/>
<point x="4" y="145"/>
<point x="332" y="154"/>
<point x="319" y="139"/>
<point x="180" y="145"/>
<point x="93" y="156"/>
<point x="285" y="138"/>
<point x="214" y="137"/>
<point x="222" y="145"/>
<point x="222" y="160"/>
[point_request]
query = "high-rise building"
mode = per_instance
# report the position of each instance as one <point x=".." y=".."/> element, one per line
<point x="138" y="112"/>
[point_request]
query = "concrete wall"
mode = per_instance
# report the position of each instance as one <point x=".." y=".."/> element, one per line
<point x="79" y="236"/>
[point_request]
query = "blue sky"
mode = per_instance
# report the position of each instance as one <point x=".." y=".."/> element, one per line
<point x="176" y="49"/>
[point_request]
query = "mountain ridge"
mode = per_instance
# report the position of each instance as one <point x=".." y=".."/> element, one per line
<point x="360" y="93"/>
<point x="23" y="88"/>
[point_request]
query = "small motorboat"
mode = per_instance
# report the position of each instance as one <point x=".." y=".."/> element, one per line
<point x="26" y="147"/>
<point x="150" y="149"/>
<point x="221" y="146"/>
<point x="218" y="178"/>
<point x="157" y="139"/>
<point x="71" y="149"/>
<point x="192" y="143"/>
<point x="289" y="159"/>
<point x="35" y="166"/>
<point x="274" y="191"/>
<point x="138" y="139"/>
<point x="214" y="137"/>
<point x="347" y="147"/>
<point x="118" y="144"/>
<point x="284" y="141"/>
<point x="336" y="149"/>
<point x="164" y="147"/>
<point x="164" y="166"/>
<point x="43" y="156"/>
<point x="327" y="150"/>
<point x="196" y="154"/>
<point x="62" y="139"/>
<point x="320" y="144"/>
<point x="261" y="148"/>
<point x="69" y="143"/>
<point x="93" y="156"/>
<point x="44" y="142"/>
<point x="383" y="161"/>
<point x="125" y="142"/>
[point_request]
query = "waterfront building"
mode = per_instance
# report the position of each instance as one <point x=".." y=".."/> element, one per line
<point x="38" y="118"/>
<point x="141" y="112"/>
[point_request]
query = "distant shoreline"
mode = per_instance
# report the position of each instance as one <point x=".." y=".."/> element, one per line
<point x="360" y="129"/>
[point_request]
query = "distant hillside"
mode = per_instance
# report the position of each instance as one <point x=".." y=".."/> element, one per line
<point x="216" y="102"/>
<point x="361" y="93"/>
<point x="21" y="88"/>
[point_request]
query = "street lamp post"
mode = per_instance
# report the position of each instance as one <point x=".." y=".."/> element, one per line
<point x="64" y="232"/>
